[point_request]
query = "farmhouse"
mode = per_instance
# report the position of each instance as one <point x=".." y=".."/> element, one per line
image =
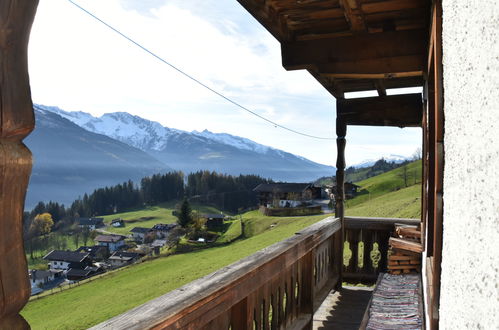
<point x="75" y="274"/>
<point x="38" y="278"/>
<point x="96" y="252"/>
<point x="286" y="194"/>
<point x="139" y="234"/>
<point x="90" y="223"/>
<point x="64" y="260"/>
<point x="159" y="243"/>
<point x="214" y="221"/>
<point x="121" y="258"/>
<point x="118" y="223"/>
<point x="112" y="242"/>
<point x="162" y="230"/>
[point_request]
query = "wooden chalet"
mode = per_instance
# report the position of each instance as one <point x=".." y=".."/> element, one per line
<point x="268" y="193"/>
<point x="347" y="46"/>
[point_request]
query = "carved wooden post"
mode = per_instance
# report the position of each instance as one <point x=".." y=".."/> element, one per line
<point x="16" y="122"/>
<point x="341" y="132"/>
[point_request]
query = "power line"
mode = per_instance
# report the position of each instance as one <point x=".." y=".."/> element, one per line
<point x="194" y="79"/>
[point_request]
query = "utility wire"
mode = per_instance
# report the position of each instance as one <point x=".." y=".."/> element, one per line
<point x="194" y="79"/>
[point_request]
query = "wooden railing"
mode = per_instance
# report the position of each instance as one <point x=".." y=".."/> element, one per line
<point x="278" y="287"/>
<point x="368" y="242"/>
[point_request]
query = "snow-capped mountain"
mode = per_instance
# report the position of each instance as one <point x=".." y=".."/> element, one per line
<point x="192" y="151"/>
<point x="69" y="161"/>
<point x="145" y="134"/>
<point x="235" y="141"/>
<point x="391" y="158"/>
<point x="122" y="126"/>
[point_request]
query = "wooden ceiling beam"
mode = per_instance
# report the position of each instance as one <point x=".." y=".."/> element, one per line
<point x="396" y="110"/>
<point x="330" y="84"/>
<point x="312" y="13"/>
<point x="393" y="5"/>
<point x="268" y="17"/>
<point x="387" y="54"/>
<point x="376" y="68"/>
<point x="354" y="15"/>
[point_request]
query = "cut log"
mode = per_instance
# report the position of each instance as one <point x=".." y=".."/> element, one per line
<point x="400" y="257"/>
<point x="405" y="245"/>
<point x="403" y="267"/>
<point x="408" y="232"/>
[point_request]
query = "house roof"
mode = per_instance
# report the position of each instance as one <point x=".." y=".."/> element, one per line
<point x="39" y="274"/>
<point x="67" y="256"/>
<point x="92" y="250"/>
<point x="282" y="187"/>
<point x="140" y="230"/>
<point x="164" y="227"/>
<point x="214" y="216"/>
<point x="109" y="238"/>
<point x="79" y="272"/>
<point x="159" y="242"/>
<point x="125" y="256"/>
<point x="90" y="221"/>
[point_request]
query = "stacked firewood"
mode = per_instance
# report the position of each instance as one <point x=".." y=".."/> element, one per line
<point x="405" y="250"/>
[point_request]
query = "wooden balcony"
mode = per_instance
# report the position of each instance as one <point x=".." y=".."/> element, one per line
<point x="280" y="287"/>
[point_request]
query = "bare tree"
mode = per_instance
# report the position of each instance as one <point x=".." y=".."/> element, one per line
<point x="404" y="175"/>
<point x="418" y="154"/>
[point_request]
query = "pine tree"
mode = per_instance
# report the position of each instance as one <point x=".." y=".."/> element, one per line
<point x="185" y="214"/>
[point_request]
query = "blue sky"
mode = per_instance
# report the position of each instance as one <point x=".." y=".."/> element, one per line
<point x="78" y="64"/>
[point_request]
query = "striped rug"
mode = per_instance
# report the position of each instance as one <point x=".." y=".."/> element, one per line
<point x="395" y="303"/>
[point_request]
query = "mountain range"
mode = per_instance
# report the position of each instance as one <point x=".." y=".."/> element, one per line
<point x="75" y="152"/>
<point x="391" y="158"/>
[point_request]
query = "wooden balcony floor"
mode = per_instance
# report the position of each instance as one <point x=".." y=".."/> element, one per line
<point x="343" y="309"/>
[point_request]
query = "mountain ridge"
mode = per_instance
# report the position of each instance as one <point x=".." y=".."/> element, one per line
<point x="193" y="151"/>
<point x="69" y="161"/>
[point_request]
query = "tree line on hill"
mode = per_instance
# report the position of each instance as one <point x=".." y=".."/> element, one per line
<point x="355" y="174"/>
<point x="227" y="192"/>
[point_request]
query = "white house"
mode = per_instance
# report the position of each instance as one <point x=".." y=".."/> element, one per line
<point x="39" y="278"/>
<point x="64" y="260"/>
<point x="113" y="242"/>
<point x="139" y="233"/>
<point x="90" y="223"/>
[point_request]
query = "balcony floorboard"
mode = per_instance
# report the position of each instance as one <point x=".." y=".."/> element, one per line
<point x="343" y="309"/>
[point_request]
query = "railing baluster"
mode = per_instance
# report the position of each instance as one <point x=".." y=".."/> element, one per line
<point x="241" y="315"/>
<point x="354" y="247"/>
<point x="367" y="239"/>
<point x="383" y="249"/>
<point x="308" y="285"/>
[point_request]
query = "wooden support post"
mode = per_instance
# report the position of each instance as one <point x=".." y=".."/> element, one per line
<point x="307" y="295"/>
<point x="16" y="122"/>
<point x="341" y="132"/>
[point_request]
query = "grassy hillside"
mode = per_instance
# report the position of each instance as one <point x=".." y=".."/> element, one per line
<point x="96" y="301"/>
<point x="386" y="195"/>
<point x="404" y="203"/>
<point x="149" y="216"/>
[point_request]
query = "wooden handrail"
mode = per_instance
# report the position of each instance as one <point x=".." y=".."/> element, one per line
<point x="280" y="285"/>
<point x="376" y="223"/>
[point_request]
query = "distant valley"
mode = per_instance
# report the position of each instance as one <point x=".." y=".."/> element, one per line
<point x="75" y="153"/>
